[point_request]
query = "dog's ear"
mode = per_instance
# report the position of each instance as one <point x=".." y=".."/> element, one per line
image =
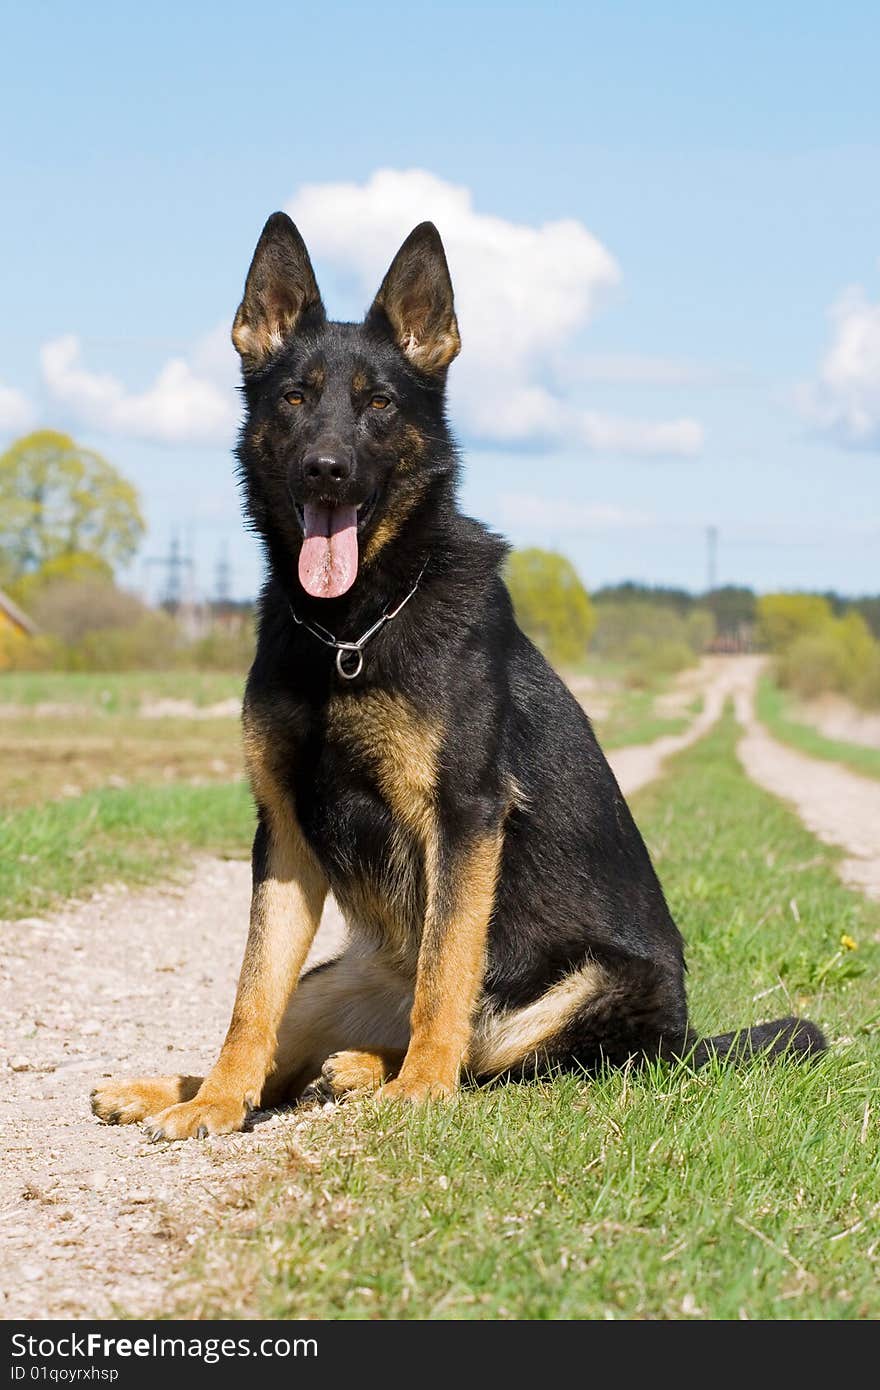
<point x="415" y="302"/>
<point x="280" y="292"/>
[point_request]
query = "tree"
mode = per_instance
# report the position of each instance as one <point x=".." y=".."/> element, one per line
<point x="63" y="509"/>
<point x="552" y="606"/>
<point x="783" y="618"/>
<point x="631" y="592"/>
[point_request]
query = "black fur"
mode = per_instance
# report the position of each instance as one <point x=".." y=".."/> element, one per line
<point x="576" y="882"/>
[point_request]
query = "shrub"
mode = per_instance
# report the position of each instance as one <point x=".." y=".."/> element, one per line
<point x="69" y="609"/>
<point x="153" y="643"/>
<point x="841" y="655"/>
<point x="225" y="649"/>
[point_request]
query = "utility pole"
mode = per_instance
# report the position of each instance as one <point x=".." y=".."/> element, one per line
<point x="175" y="565"/>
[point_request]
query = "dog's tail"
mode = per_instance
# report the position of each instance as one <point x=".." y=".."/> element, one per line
<point x="792" y="1038"/>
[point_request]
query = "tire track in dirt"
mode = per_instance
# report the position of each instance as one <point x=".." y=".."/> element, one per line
<point x="839" y="806"/>
<point x="637" y="765"/>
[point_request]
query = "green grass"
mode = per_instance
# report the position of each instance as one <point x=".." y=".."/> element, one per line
<point x="135" y="835"/>
<point x="773" y="708"/>
<point x="117" y="692"/>
<point x="723" y="1194"/>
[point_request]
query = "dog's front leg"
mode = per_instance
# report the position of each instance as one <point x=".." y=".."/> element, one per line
<point x="451" y="966"/>
<point x="289" y="889"/>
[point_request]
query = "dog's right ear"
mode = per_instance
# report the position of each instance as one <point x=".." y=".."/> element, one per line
<point x="280" y="293"/>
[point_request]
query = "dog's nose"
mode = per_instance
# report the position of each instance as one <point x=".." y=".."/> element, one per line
<point x="328" y="465"/>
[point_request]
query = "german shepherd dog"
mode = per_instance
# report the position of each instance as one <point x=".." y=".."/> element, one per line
<point x="411" y="751"/>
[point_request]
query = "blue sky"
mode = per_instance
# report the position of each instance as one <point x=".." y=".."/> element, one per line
<point x="685" y="204"/>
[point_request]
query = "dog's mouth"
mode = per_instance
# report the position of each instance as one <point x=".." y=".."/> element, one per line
<point x="328" y="559"/>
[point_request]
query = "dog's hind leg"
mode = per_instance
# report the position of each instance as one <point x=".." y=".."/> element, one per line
<point x="601" y="1013"/>
<point x="346" y="1028"/>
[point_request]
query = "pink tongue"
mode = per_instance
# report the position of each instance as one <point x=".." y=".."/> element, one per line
<point x="328" y="561"/>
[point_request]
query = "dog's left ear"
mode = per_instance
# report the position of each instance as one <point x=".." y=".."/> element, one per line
<point x="415" y="302"/>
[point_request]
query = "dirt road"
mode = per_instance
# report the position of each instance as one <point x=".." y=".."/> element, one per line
<point x="839" y="806"/>
<point x="92" y="1218"/>
<point x="636" y="766"/>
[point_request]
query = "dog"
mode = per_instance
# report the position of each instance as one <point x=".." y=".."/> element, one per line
<point x="411" y="751"/>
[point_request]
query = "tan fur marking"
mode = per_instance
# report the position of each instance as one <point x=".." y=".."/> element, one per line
<point x="285" y="911"/>
<point x="517" y="798"/>
<point x="390" y="908"/>
<point x="128" y="1102"/>
<point x="402" y="749"/>
<point x="391" y="522"/>
<point x="452" y="964"/>
<point x="504" y="1040"/>
<point x="359" y="383"/>
<point x="436" y="352"/>
<point x="398" y="743"/>
<point x="428" y="346"/>
<point x="255" y="342"/>
<point x="384" y="532"/>
<point x="413" y="450"/>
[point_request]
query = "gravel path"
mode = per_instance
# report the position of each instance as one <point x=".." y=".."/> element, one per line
<point x="839" y="806"/>
<point x="92" y="1218"/>
<point x="633" y="767"/>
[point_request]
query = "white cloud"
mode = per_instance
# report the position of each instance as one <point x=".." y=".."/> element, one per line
<point x="641" y="437"/>
<point x="16" y="411"/>
<point x="563" y="514"/>
<point x="845" y="400"/>
<point x="190" y="402"/>
<point x="523" y="294"/>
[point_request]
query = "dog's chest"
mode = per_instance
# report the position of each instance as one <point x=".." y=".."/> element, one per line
<point x="373" y="817"/>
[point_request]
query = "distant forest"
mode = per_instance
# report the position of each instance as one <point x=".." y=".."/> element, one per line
<point x="732" y="605"/>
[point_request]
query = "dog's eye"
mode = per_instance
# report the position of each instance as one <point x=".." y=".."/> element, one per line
<point x="294" y="397"/>
<point x="380" y="403"/>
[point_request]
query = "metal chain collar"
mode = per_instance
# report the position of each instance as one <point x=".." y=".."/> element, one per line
<point x="346" y="650"/>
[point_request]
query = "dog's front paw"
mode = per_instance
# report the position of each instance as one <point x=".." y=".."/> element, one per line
<point x="346" y="1073"/>
<point x="351" y="1074"/>
<point x="128" y="1102"/>
<point x="197" y="1118"/>
<point x="416" y="1090"/>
